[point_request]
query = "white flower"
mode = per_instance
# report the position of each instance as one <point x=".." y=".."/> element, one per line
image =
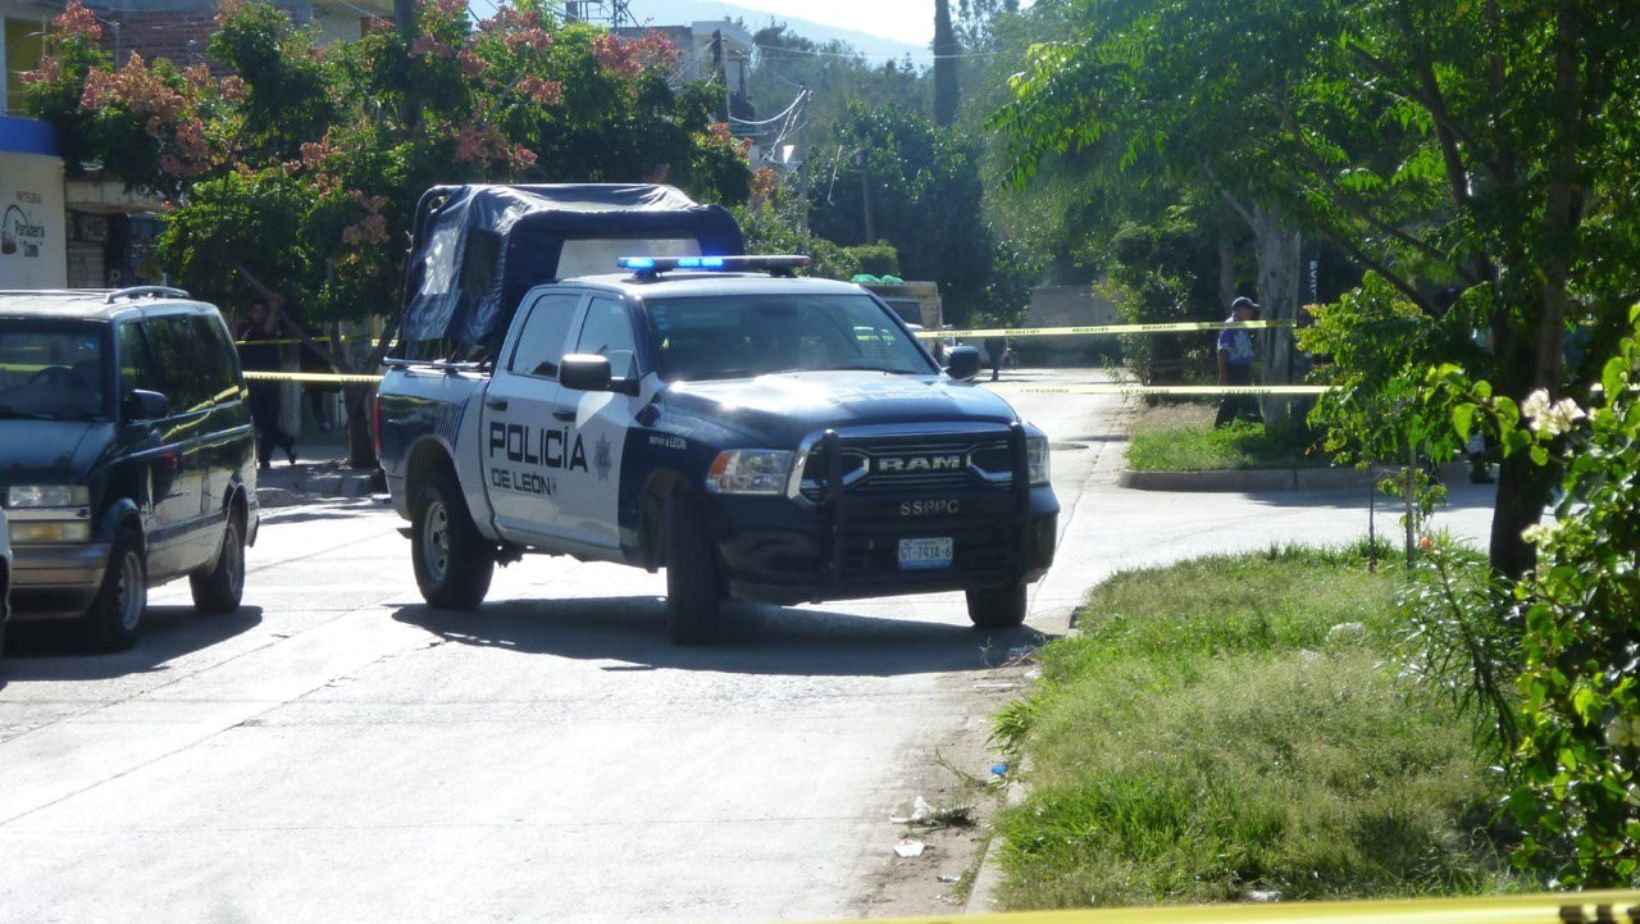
<point x="1563" y="415"/>
<point x="1623" y="731"/>
<point x="1535" y="406"/>
<point x="1553" y="419"/>
<point x="1538" y="533"/>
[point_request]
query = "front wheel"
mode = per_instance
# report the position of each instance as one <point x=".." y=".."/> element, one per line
<point x="453" y="563"/>
<point x="115" y="616"/>
<point x="694" y="581"/>
<point x="998" y="608"/>
<point x="219" y="590"/>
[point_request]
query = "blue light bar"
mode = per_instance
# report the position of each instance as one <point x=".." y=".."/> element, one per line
<point x="777" y="264"/>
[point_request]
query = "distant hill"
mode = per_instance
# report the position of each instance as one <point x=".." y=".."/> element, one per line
<point x="678" y="12"/>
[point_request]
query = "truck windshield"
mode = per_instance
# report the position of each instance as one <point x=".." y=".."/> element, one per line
<point x="740" y="336"/>
<point x="52" y="371"/>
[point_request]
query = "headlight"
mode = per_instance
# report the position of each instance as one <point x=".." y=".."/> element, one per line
<point x="749" y="471"/>
<point x="1036" y="458"/>
<point x="38" y="532"/>
<point x="48" y="495"/>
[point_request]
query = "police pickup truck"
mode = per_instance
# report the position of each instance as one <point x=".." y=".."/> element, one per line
<point x="760" y="436"/>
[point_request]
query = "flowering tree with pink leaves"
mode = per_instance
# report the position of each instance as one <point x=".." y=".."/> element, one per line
<point x="291" y="170"/>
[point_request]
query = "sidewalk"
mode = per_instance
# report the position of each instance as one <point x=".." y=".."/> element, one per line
<point x="321" y="471"/>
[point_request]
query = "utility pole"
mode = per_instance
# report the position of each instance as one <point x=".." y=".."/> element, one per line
<point x="945" y="65"/>
<point x="404" y="20"/>
<point x="720" y="71"/>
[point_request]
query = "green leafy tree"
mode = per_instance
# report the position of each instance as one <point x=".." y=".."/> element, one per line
<point x="1483" y="147"/>
<point x="898" y="178"/>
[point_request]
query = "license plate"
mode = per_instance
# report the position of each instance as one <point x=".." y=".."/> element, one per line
<point x="920" y="554"/>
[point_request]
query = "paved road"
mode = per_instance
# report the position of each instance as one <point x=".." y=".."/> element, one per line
<point x="338" y="752"/>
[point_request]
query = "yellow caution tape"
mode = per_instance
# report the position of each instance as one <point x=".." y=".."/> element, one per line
<point x="1108" y="388"/>
<point x="1118" y="388"/>
<point x="288" y="341"/>
<point x="329" y="378"/>
<point x="1171" y="328"/>
<point x="1615" y="907"/>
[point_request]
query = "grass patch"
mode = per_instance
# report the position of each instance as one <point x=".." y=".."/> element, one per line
<point x="1182" y="438"/>
<point x="1208" y="733"/>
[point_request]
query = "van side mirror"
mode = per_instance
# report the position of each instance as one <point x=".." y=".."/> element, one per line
<point x="587" y="371"/>
<point x="962" y="363"/>
<point x="141" y="404"/>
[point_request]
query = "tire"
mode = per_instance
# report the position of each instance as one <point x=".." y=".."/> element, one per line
<point x="453" y="562"/>
<point x="694" y="580"/>
<point x="115" y="617"/>
<point x="218" y="591"/>
<point x="998" y="608"/>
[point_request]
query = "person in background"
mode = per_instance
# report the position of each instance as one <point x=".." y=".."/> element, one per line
<point x="1236" y="356"/>
<point x="258" y="355"/>
<point x="995" y="349"/>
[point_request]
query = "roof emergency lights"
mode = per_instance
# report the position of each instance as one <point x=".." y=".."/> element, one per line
<point x="777" y="264"/>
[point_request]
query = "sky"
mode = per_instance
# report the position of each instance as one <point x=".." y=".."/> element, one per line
<point x="908" y="21"/>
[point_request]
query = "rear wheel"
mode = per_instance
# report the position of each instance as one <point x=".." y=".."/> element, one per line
<point x="998" y="608"/>
<point x="220" y="589"/>
<point x="694" y="581"/>
<point x="115" y="617"/>
<point x="453" y="562"/>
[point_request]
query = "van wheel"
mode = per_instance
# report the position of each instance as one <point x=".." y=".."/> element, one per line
<point x="998" y="608"/>
<point x="694" y="582"/>
<point x="453" y="562"/>
<point x="115" y="616"/>
<point x="219" y="590"/>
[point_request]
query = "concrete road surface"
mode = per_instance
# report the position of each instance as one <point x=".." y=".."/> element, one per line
<point x="338" y="752"/>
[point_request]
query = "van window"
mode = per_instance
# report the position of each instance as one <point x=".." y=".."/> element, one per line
<point x="185" y="363"/>
<point x="541" y="339"/>
<point x="218" y="357"/>
<point x="136" y="365"/>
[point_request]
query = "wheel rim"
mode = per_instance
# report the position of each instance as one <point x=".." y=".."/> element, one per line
<point x="233" y="558"/>
<point x="130" y="592"/>
<point x="436" y="541"/>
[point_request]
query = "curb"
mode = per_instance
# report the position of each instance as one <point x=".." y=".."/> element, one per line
<point x="308" y="483"/>
<point x="982" y="895"/>
<point x="1253" y="479"/>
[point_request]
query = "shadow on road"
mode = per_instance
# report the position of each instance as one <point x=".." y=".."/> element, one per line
<point x="756" y="639"/>
<point x="45" y="651"/>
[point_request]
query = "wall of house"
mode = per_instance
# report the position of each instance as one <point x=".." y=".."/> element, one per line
<point x="33" y="251"/>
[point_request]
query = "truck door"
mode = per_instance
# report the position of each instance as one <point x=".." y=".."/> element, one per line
<point x="522" y="442"/>
<point x="588" y="509"/>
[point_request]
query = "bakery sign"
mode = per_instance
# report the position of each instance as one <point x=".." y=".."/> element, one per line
<point x="33" y="237"/>
<point x="20" y="231"/>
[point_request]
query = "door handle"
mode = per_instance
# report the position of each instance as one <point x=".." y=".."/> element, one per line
<point x="496" y="404"/>
<point x="564" y="414"/>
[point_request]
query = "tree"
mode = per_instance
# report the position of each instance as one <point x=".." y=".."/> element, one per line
<point x="1483" y="147"/>
<point x="895" y="177"/>
<point x="294" y="170"/>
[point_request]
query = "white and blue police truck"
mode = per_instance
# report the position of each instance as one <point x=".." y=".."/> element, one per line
<point x="760" y="436"/>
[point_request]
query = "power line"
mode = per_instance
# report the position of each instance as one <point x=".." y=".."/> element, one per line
<point x="918" y="56"/>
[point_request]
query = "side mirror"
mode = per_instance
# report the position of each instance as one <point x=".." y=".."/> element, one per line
<point x="962" y="363"/>
<point x="146" y="405"/>
<point x="585" y="372"/>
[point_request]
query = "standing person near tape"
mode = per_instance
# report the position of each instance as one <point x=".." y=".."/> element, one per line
<point x="1236" y="356"/>
<point x="259" y="356"/>
<point x="995" y="349"/>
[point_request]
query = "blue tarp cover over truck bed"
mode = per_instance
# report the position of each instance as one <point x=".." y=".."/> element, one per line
<point x="478" y="249"/>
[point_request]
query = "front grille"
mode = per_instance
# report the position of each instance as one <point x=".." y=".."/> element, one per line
<point x="897" y="465"/>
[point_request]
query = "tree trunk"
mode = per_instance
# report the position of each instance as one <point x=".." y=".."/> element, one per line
<point x="1227" y="269"/>
<point x="1279" y="275"/>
